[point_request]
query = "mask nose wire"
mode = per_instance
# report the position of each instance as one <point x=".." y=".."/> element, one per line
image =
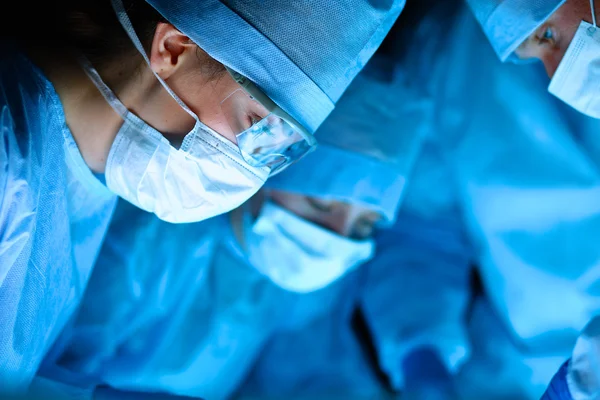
<point x="593" y="13"/>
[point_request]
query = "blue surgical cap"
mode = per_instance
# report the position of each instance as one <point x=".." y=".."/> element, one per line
<point x="368" y="145"/>
<point x="302" y="53"/>
<point x="507" y="23"/>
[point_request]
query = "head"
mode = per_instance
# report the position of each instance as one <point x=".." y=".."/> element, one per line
<point x="551" y="39"/>
<point x="315" y="220"/>
<point x="525" y="30"/>
<point x="296" y="56"/>
<point x="92" y="29"/>
<point x="302" y="54"/>
<point x="356" y="177"/>
<point x="184" y="39"/>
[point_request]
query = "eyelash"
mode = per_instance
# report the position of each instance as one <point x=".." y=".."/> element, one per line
<point x="320" y="207"/>
<point x="253" y="119"/>
<point x="543" y="39"/>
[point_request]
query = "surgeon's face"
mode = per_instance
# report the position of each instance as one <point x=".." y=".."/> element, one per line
<point x="202" y="84"/>
<point x="353" y="221"/>
<point x="551" y="40"/>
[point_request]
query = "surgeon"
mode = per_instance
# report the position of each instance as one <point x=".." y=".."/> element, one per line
<point x="412" y="298"/>
<point x="416" y="291"/>
<point x="187" y="309"/>
<point x="527" y="169"/>
<point x="562" y="34"/>
<point x="157" y="103"/>
<point x="515" y="171"/>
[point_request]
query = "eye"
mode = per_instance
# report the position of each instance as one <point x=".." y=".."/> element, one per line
<point x="546" y="36"/>
<point x="253" y="119"/>
<point x="362" y="229"/>
<point x="321" y="206"/>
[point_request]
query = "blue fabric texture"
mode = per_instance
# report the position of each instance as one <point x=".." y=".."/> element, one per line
<point x="191" y="317"/>
<point x="526" y="218"/>
<point x="370" y="143"/>
<point x="426" y="376"/>
<point x="136" y="297"/>
<point x="186" y="318"/>
<point x="507" y="23"/>
<point x="423" y="259"/>
<point x="53" y="217"/>
<point x="419" y="265"/>
<point x="315" y="352"/>
<point x="302" y="54"/>
<point x="522" y="215"/>
<point x="501" y="367"/>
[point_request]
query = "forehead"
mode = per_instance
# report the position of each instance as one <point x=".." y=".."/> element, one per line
<point x="507" y="23"/>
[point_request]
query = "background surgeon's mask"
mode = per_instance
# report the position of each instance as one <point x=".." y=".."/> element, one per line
<point x="297" y="255"/>
<point x="577" y="79"/>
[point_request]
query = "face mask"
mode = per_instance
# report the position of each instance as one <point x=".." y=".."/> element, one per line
<point x="300" y="256"/>
<point x="577" y="79"/>
<point x="206" y="177"/>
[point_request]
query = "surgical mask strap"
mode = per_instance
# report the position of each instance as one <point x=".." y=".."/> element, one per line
<point x="128" y="26"/>
<point x="108" y="94"/>
<point x="593" y="13"/>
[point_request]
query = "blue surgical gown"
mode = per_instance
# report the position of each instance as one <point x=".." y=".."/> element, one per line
<point x="53" y="216"/>
<point x="317" y="349"/>
<point x="170" y="308"/>
<point x="190" y="316"/>
<point x="525" y="175"/>
<point x="527" y="172"/>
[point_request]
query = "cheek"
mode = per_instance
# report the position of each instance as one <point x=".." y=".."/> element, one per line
<point x="204" y="99"/>
<point x="216" y="120"/>
<point x="552" y="61"/>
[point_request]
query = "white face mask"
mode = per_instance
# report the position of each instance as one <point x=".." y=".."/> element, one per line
<point x="577" y="79"/>
<point x="206" y="177"/>
<point x="300" y="256"/>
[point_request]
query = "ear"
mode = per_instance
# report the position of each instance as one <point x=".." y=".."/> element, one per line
<point x="169" y="50"/>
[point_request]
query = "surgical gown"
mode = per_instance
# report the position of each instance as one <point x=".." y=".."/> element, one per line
<point x="317" y="351"/>
<point x="522" y="171"/>
<point x="184" y="316"/>
<point x="53" y="216"/>
<point x="526" y="169"/>
<point x="192" y="316"/>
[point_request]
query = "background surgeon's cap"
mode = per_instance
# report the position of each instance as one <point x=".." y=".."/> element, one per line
<point x="302" y="53"/>
<point x="507" y="23"/>
<point x="368" y="145"/>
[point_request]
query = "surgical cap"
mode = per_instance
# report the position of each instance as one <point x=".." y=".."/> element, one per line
<point x="303" y="53"/>
<point x="507" y="23"/>
<point x="368" y="145"/>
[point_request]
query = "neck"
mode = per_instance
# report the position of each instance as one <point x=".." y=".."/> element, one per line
<point x="92" y="121"/>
